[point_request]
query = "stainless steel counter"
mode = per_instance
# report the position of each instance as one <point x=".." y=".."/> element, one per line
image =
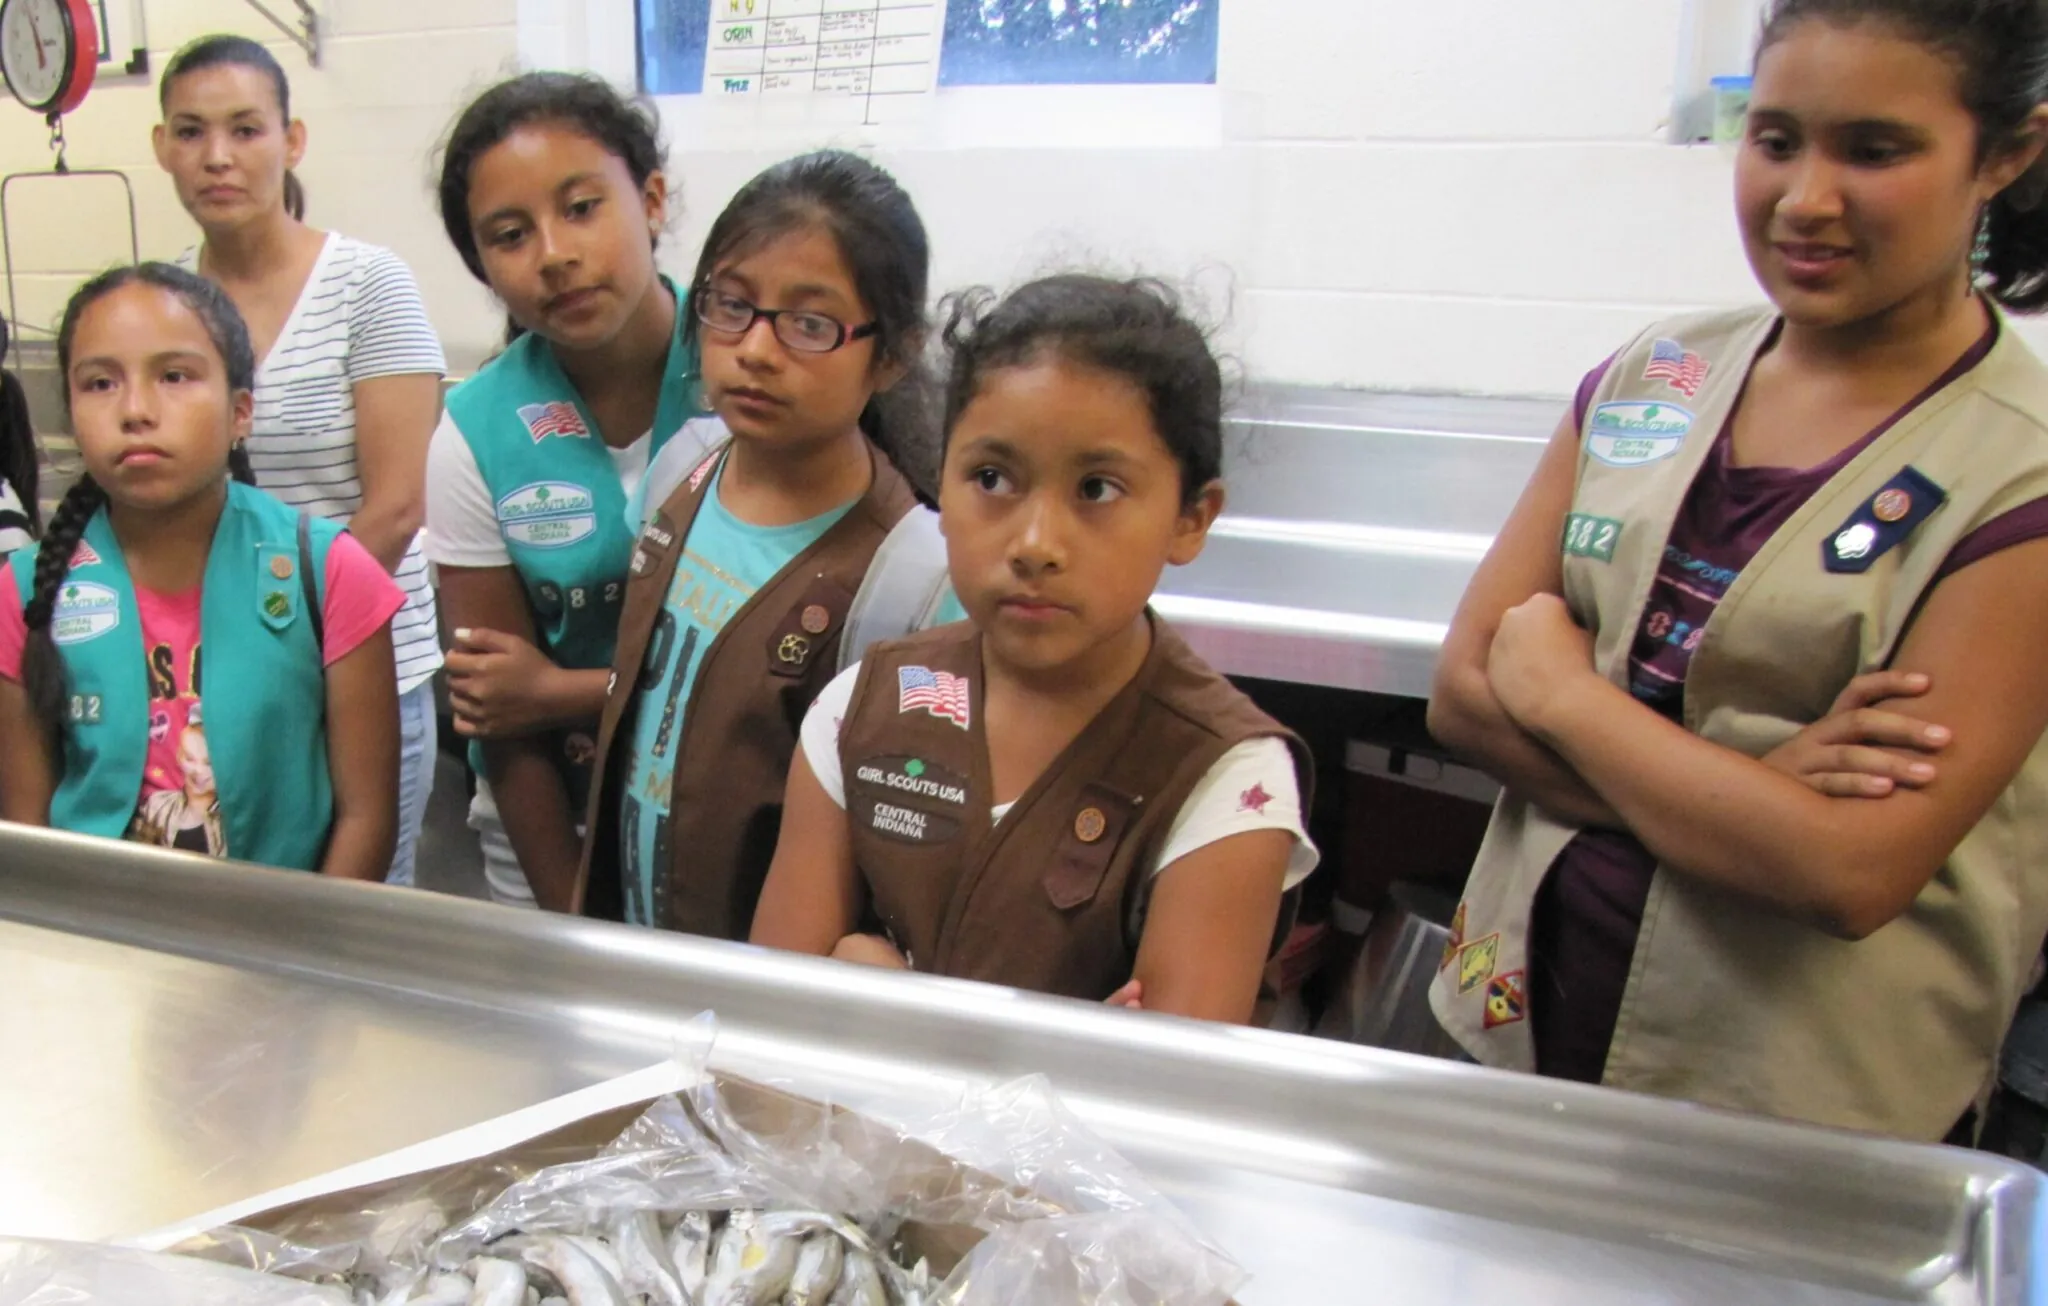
<point x="1354" y="522"/>
<point x="180" y="1034"/>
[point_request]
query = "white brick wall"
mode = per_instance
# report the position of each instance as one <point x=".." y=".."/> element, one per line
<point x="392" y="74"/>
<point x="1467" y="195"/>
<point x="1470" y="195"/>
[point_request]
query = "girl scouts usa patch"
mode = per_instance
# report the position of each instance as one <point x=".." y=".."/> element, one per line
<point x="1631" y="434"/>
<point x="84" y="611"/>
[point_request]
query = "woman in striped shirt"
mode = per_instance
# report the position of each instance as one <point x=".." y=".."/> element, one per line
<point x="348" y="389"/>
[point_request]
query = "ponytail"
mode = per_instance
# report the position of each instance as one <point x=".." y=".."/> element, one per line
<point x="903" y="422"/>
<point x="42" y="667"/>
<point x="2015" y="270"/>
<point x="239" y="466"/>
<point x="294" y="195"/>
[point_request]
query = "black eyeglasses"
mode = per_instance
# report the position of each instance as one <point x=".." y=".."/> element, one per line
<point x="799" y="329"/>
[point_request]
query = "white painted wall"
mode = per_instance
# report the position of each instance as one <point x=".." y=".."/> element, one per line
<point x="391" y="77"/>
<point x="1470" y="195"/>
<point x="1467" y="195"/>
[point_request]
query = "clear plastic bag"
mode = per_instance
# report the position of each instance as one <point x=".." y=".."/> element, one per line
<point x="999" y="1190"/>
<point x="35" y="1272"/>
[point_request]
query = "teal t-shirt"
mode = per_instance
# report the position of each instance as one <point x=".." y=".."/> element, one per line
<point x="724" y="561"/>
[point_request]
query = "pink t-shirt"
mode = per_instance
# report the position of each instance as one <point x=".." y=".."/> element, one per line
<point x="177" y="807"/>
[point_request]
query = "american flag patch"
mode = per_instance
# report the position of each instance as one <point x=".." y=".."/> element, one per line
<point x="555" y="418"/>
<point x="84" y="555"/>
<point x="940" y="693"/>
<point x="1676" y="366"/>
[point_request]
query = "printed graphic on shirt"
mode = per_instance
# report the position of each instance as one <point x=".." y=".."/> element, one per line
<point x="84" y="611"/>
<point x="1677" y="367"/>
<point x="940" y="693"/>
<point x="179" y="807"/>
<point x="702" y="598"/>
<point x="1632" y="434"/>
<point x="548" y="514"/>
<point x="1683" y="596"/>
<point x="557" y="417"/>
<point x="1254" y="799"/>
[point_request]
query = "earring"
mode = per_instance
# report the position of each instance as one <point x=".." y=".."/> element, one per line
<point x="1980" y="251"/>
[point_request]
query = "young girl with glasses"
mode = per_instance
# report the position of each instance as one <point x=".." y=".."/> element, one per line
<point x="808" y="309"/>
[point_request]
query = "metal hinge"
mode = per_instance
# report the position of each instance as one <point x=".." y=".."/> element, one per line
<point x="305" y="35"/>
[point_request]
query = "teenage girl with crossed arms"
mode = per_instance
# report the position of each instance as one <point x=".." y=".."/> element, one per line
<point x="1725" y="868"/>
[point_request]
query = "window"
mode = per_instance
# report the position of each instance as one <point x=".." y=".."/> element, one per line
<point x="986" y="42"/>
<point x="1069" y="42"/>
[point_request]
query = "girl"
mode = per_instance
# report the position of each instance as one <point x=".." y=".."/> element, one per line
<point x="155" y="553"/>
<point x="349" y="382"/>
<point x="1060" y="796"/>
<point x="1758" y="510"/>
<point x="552" y="191"/>
<point x="18" y="462"/>
<point x="808" y="308"/>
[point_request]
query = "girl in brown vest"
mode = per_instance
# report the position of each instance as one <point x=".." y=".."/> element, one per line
<point x="1059" y="796"/>
<point x="1758" y="655"/>
<point x="808" y="312"/>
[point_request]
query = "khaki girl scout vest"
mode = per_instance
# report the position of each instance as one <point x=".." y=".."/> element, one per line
<point x="1043" y="900"/>
<point x="740" y="725"/>
<point x="1727" y="1003"/>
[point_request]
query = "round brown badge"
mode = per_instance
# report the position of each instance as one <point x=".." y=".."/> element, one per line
<point x="815" y="619"/>
<point x="281" y="567"/>
<point x="1090" y="824"/>
<point x="1891" y="506"/>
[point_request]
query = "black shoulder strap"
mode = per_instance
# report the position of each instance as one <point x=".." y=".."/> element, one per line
<point x="309" y="586"/>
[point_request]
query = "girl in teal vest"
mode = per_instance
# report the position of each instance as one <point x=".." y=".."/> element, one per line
<point x="553" y="193"/>
<point x="284" y="750"/>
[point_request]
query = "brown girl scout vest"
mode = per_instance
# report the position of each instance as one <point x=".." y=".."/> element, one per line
<point x="1728" y="1003"/>
<point x="740" y="725"/>
<point x="1042" y="900"/>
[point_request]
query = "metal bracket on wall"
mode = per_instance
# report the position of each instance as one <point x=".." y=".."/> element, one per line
<point x="305" y="34"/>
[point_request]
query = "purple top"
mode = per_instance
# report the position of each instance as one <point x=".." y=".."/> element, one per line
<point x="1589" y="911"/>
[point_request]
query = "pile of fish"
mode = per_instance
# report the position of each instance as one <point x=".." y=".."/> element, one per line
<point x="741" y="1258"/>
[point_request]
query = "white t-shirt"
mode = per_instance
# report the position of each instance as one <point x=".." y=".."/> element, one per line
<point x="13" y="528"/>
<point x="462" y="518"/>
<point x="359" y="317"/>
<point x="1251" y="787"/>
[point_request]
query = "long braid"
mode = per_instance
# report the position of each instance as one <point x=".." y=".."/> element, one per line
<point x="42" y="667"/>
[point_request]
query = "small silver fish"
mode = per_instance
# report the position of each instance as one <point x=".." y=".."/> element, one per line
<point x="860" y="1283"/>
<point x="819" y="1263"/>
<point x="498" y="1283"/>
<point x="689" y="1250"/>
<point x="583" y="1281"/>
<point x="636" y="1237"/>
<point x="597" y="1249"/>
<point x="444" y="1290"/>
<point x="750" y="1266"/>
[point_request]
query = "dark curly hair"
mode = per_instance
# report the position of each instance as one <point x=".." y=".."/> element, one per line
<point x="1136" y="329"/>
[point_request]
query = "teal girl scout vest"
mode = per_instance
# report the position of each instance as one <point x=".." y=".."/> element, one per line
<point x="263" y="690"/>
<point x="559" y="503"/>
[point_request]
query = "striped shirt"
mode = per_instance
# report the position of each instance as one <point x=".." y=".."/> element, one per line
<point x="360" y="316"/>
